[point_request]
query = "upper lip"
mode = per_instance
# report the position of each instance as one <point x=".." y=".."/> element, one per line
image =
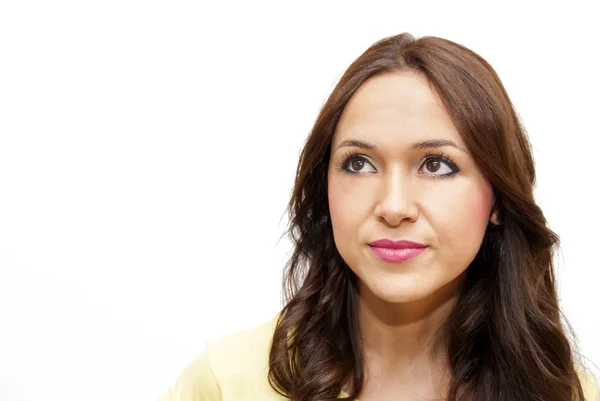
<point x="402" y="244"/>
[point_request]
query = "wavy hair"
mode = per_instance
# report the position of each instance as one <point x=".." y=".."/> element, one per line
<point x="504" y="337"/>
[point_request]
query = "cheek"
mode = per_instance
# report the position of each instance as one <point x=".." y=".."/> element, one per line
<point x="339" y="204"/>
<point x="464" y="216"/>
<point x="347" y="207"/>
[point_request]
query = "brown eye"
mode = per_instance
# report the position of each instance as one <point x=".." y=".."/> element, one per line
<point x="439" y="167"/>
<point x="357" y="164"/>
<point x="432" y="165"/>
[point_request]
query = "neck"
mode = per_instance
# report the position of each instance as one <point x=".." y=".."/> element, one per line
<point x="404" y="339"/>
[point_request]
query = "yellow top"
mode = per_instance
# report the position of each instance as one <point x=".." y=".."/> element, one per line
<point x="234" y="368"/>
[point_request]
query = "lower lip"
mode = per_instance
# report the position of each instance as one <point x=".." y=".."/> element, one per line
<point x="396" y="255"/>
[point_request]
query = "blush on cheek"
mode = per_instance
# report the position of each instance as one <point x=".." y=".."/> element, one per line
<point x="339" y="210"/>
<point x="339" y="197"/>
<point x="335" y="203"/>
<point x="481" y="206"/>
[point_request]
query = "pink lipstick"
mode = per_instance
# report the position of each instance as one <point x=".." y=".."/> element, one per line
<point x="396" y="251"/>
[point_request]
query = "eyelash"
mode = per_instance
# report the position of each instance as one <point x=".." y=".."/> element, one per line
<point x="432" y="155"/>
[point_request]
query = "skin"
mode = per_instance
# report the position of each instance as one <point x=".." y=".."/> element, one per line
<point x="396" y="195"/>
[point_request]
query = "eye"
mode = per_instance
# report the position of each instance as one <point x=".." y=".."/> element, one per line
<point x="355" y="164"/>
<point x="439" y="166"/>
<point x="435" y="164"/>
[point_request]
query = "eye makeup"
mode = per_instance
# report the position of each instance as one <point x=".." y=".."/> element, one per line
<point x="438" y="156"/>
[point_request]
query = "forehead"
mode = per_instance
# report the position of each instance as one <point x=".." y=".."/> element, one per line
<point x="396" y="108"/>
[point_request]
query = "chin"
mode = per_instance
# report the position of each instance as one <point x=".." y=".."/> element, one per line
<point x="398" y="290"/>
<point x="397" y="297"/>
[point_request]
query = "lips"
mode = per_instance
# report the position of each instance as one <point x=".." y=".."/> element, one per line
<point x="396" y="251"/>
<point x="402" y="244"/>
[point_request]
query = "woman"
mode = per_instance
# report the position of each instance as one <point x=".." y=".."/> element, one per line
<point x="422" y="266"/>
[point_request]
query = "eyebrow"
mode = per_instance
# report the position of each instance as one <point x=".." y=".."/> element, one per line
<point x="428" y="144"/>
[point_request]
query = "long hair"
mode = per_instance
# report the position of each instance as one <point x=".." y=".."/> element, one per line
<point x="504" y="337"/>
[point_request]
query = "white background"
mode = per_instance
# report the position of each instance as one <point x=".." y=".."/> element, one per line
<point x="147" y="151"/>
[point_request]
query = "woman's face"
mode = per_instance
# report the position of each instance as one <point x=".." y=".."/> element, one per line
<point x="391" y="189"/>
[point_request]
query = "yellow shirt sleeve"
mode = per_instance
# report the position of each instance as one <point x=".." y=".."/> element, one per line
<point x="591" y="390"/>
<point x="197" y="382"/>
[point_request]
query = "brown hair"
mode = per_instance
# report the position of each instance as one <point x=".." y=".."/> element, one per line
<point x="505" y="339"/>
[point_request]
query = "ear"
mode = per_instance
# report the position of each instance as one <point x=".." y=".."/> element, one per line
<point x="494" y="214"/>
<point x="494" y="218"/>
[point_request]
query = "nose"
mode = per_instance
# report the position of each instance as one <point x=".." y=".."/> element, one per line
<point x="396" y="202"/>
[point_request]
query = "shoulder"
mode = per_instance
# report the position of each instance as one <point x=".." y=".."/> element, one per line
<point x="589" y="383"/>
<point x="232" y="367"/>
<point x="244" y="351"/>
